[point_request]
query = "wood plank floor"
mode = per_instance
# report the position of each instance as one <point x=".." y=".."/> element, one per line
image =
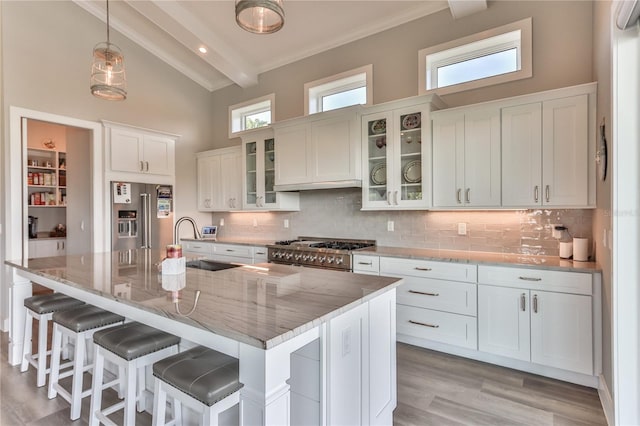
<point x="433" y="389"/>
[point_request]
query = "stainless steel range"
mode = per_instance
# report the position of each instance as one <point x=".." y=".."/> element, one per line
<point x="327" y="253"/>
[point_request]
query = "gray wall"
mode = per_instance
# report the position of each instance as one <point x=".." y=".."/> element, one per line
<point x="602" y="216"/>
<point x="562" y="56"/>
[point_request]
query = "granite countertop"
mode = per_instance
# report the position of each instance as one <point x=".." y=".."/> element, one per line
<point x="497" y="259"/>
<point x="237" y="241"/>
<point x="261" y="305"/>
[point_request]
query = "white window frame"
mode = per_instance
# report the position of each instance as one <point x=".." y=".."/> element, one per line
<point x="238" y="112"/>
<point x="474" y="46"/>
<point x="314" y="91"/>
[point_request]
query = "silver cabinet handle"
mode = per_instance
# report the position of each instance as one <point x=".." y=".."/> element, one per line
<point x="529" y="279"/>
<point x="535" y="303"/>
<point x="395" y="196"/>
<point x="417" y="268"/>
<point x="468" y="195"/>
<point x="424" y="293"/>
<point x="458" y="196"/>
<point x="424" y="324"/>
<point x="142" y="166"/>
<point x="523" y="299"/>
<point x="260" y="252"/>
<point x="230" y="250"/>
<point x="365" y="263"/>
<point x="389" y="197"/>
<point x="146" y="169"/>
<point x="546" y="192"/>
<point x="536" y="193"/>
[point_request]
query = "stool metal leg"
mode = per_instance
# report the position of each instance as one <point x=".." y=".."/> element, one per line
<point x="26" y="342"/>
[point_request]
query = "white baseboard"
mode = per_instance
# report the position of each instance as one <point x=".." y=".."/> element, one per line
<point x="606" y="401"/>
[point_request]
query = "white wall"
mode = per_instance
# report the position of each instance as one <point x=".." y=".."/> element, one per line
<point x="46" y="50"/>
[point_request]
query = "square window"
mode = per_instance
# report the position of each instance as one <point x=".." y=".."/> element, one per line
<point x="251" y="114"/>
<point x="352" y="87"/>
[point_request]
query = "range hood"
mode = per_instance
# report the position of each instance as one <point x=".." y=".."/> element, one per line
<point x="354" y="183"/>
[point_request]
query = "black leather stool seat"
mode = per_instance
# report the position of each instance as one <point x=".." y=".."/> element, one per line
<point x="201" y="373"/>
<point x="47" y="303"/>
<point x="133" y="340"/>
<point x="85" y="318"/>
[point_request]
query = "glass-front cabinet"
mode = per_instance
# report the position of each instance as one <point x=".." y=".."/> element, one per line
<point x="396" y="157"/>
<point x="258" y="151"/>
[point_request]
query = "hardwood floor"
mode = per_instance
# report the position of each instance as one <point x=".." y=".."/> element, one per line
<point x="433" y="389"/>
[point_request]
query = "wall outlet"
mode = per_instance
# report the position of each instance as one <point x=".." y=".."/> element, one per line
<point x="462" y="228"/>
<point x="286" y="223"/>
<point x="390" y="226"/>
<point x="255" y="223"/>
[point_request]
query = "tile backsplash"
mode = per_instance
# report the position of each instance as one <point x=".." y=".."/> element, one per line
<point x="337" y="214"/>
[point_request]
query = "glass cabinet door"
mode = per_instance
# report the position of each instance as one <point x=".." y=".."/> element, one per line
<point x="251" y="173"/>
<point x="409" y="174"/>
<point x="269" y="171"/>
<point x="377" y="154"/>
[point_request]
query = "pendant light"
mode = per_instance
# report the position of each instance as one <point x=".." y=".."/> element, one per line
<point x="260" y="16"/>
<point x="108" y="79"/>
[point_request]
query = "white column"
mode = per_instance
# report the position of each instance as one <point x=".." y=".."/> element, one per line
<point x="19" y="289"/>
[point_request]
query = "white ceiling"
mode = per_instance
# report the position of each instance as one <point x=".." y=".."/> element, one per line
<point x="174" y="30"/>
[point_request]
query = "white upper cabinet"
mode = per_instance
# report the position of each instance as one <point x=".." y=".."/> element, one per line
<point x="318" y="151"/>
<point x="396" y="145"/>
<point x="466" y="158"/>
<point x="545" y="154"/>
<point x="134" y="150"/>
<point x="220" y="179"/>
<point x="258" y="174"/>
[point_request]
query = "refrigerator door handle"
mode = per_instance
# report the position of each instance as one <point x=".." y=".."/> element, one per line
<point x="146" y="220"/>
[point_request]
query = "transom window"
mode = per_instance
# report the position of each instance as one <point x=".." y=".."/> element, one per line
<point x="491" y="57"/>
<point x="251" y="114"/>
<point x="341" y="90"/>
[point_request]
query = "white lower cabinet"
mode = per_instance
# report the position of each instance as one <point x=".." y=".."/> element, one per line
<point x="437" y="301"/>
<point x="525" y="321"/>
<point x="47" y="248"/>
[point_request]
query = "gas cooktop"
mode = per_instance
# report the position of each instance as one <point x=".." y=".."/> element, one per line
<point x="317" y="252"/>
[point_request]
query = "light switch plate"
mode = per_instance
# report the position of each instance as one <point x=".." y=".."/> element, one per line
<point x="390" y="226"/>
<point x="286" y="223"/>
<point x="462" y="228"/>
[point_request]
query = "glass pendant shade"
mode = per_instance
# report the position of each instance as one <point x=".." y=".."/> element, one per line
<point x="108" y="79"/>
<point x="260" y="16"/>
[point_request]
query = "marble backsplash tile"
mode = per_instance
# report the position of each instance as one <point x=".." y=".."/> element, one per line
<point x="336" y="213"/>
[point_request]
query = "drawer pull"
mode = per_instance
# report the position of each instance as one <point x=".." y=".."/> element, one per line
<point x="260" y="252"/>
<point x="417" y="268"/>
<point x="523" y="305"/>
<point x="230" y="250"/>
<point x="366" y="263"/>
<point x="530" y="279"/>
<point x="424" y="324"/>
<point x="424" y="293"/>
<point x="535" y="303"/>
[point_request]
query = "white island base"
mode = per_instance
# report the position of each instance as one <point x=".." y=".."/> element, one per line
<point x="340" y="370"/>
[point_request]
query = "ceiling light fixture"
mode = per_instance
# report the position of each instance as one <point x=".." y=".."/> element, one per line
<point x="108" y="79"/>
<point x="260" y="16"/>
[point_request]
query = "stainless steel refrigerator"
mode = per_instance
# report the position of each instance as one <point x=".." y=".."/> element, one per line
<point x="142" y="215"/>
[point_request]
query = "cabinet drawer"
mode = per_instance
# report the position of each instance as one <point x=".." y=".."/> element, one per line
<point x="197" y="247"/>
<point x="536" y="279"/>
<point x="233" y="250"/>
<point x="428" y="269"/>
<point x="366" y="264"/>
<point x="448" y="296"/>
<point x="453" y="329"/>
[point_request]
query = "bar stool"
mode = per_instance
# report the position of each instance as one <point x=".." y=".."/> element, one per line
<point x="132" y="347"/>
<point x="79" y="324"/>
<point x="42" y="308"/>
<point x="203" y="379"/>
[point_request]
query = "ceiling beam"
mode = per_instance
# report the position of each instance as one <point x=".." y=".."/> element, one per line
<point x="188" y="29"/>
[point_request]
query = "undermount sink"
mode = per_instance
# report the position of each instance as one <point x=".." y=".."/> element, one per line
<point x="211" y="265"/>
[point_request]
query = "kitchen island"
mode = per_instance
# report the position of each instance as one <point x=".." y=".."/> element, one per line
<point x="315" y="346"/>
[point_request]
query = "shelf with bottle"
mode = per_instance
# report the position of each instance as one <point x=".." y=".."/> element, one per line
<point x="46" y="177"/>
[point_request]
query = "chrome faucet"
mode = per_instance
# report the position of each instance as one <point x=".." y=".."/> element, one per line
<point x="196" y="233"/>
